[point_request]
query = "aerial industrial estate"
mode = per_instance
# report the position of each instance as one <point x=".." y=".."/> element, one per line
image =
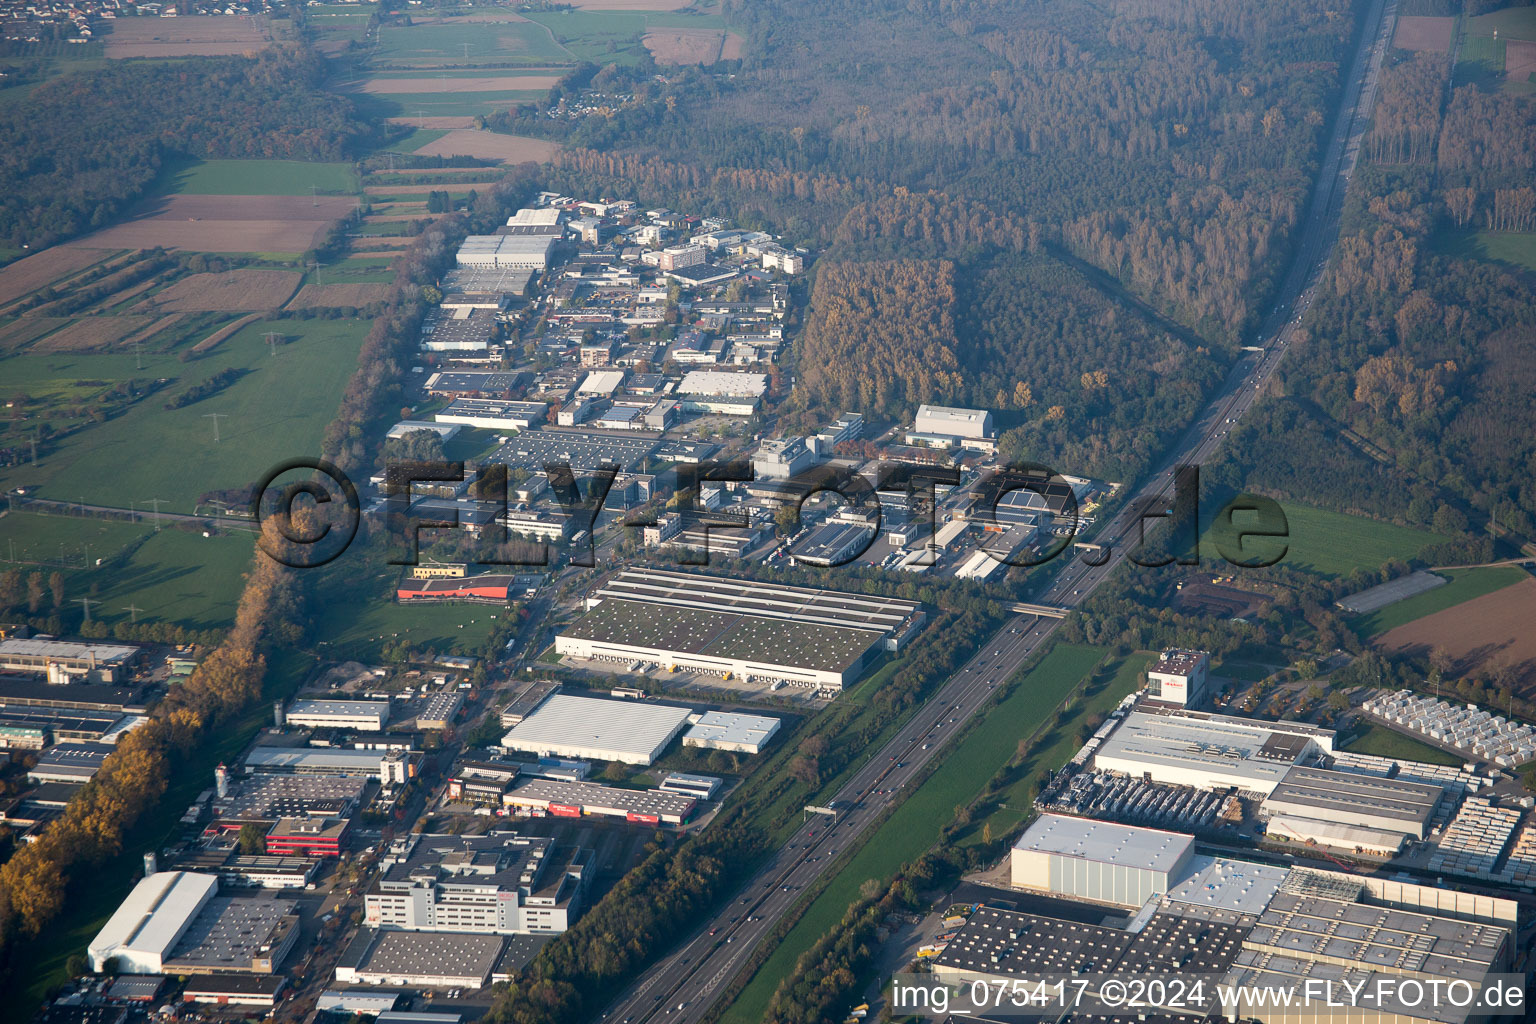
<point x="416" y="832"/>
<point x="786" y="512"/>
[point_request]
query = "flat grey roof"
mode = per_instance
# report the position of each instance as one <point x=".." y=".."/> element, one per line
<point x="35" y="648"/>
<point x="751" y="597"/>
<point x="1347" y="792"/>
<point x="1106" y="842"/>
<point x="1235" y="885"/>
<point x="639" y="728"/>
<point x="229" y="932"/>
<point x="432" y="954"/>
<point x="339" y="707"/>
<point x="593" y="794"/>
<point x="732" y="727"/>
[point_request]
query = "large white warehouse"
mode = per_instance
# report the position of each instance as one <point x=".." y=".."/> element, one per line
<point x="1100" y="860"/>
<point x="368" y="715"/>
<point x="635" y="732"/>
<point x="1184" y="748"/>
<point x="140" y="935"/>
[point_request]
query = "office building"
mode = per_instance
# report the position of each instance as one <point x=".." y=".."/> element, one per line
<point x="500" y="883"/>
<point x="1177" y="677"/>
<point x="780" y="458"/>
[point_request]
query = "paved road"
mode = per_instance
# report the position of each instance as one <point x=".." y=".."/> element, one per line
<point x="684" y="984"/>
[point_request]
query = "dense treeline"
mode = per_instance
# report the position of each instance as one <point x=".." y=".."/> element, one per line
<point x="1171" y="143"/>
<point x="79" y="149"/>
<point x="206" y="388"/>
<point x="881" y="338"/>
<point x="1426" y="356"/>
<point x="1077" y="379"/>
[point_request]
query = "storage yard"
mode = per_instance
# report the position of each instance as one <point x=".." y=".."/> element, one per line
<point x="1474" y="732"/>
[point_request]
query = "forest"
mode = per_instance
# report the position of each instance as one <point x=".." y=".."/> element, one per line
<point x="81" y="148"/>
<point x="1169" y="144"/>
<point x="1412" y="381"/>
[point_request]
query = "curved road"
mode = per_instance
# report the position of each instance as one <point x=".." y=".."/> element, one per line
<point x="684" y="985"/>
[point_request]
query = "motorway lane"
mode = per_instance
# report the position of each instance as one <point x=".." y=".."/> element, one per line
<point x="683" y="985"/>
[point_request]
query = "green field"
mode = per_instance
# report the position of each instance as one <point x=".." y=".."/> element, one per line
<point x="257" y="178"/>
<point x="1329" y="543"/>
<point x="915" y="825"/>
<point x="171" y="575"/>
<point x="361" y="626"/>
<point x="445" y="104"/>
<point x="1383" y="742"/>
<point x="603" y="37"/>
<point x="276" y="411"/>
<point x="1511" y="23"/>
<point x="1465" y="585"/>
<point x="509" y="42"/>
<point x="414" y="141"/>
<point x="352" y="270"/>
<point x="614" y="37"/>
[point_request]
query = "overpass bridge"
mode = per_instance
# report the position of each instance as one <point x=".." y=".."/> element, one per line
<point x="1048" y="611"/>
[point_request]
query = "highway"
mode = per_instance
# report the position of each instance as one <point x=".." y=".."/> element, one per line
<point x="684" y="984"/>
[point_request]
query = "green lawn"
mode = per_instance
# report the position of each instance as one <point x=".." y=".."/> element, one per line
<point x="512" y="42"/>
<point x="172" y="575"/>
<point x="362" y="624"/>
<point x="276" y="411"/>
<point x="1383" y="742"/>
<point x="1517" y="248"/>
<point x="1464" y="586"/>
<point x="257" y="178"/>
<point x="915" y="825"/>
<point x="1329" y="543"/>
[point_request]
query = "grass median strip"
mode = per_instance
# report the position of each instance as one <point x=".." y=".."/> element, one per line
<point x="915" y="825"/>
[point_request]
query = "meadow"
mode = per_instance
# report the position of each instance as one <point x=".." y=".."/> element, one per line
<point x="173" y="574"/>
<point x="452" y="43"/>
<point x="1330" y="543"/>
<point x="276" y="410"/>
<point x="257" y="178"/>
